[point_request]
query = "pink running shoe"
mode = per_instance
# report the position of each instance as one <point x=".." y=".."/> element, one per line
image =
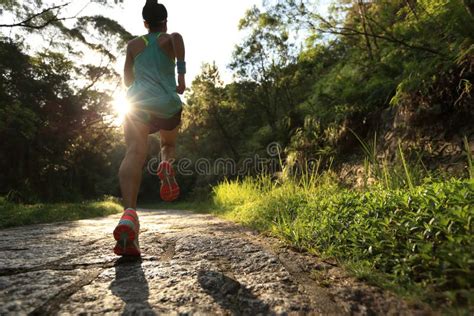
<point x="126" y="234"/>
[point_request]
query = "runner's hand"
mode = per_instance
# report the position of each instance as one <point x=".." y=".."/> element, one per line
<point x="181" y="84"/>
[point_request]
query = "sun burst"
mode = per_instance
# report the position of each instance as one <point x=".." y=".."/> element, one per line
<point x="121" y="105"/>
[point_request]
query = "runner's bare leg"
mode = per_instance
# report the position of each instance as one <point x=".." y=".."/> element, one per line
<point x="168" y="144"/>
<point x="130" y="173"/>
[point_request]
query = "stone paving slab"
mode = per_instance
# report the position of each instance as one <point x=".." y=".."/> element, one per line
<point x="192" y="264"/>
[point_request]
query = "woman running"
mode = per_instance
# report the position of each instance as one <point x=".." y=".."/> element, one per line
<point x="149" y="74"/>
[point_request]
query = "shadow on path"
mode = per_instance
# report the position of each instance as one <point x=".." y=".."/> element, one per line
<point x="131" y="286"/>
<point x="230" y="294"/>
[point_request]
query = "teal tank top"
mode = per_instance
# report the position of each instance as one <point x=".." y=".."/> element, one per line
<point x="154" y="87"/>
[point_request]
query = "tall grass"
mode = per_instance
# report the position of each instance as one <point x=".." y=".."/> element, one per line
<point x="418" y="237"/>
<point x="410" y="229"/>
<point x="406" y="169"/>
<point x="400" y="173"/>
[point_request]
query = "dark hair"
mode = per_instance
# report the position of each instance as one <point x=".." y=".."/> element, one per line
<point x="154" y="13"/>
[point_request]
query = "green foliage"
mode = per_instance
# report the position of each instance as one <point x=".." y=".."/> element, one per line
<point x="13" y="214"/>
<point x="417" y="239"/>
<point x="470" y="163"/>
<point x="57" y="139"/>
<point x="347" y="69"/>
<point x="56" y="124"/>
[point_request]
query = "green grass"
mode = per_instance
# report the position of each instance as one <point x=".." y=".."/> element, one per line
<point x="416" y="240"/>
<point x="12" y="214"/>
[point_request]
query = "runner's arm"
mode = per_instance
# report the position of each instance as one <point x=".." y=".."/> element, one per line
<point x="179" y="51"/>
<point x="128" y="76"/>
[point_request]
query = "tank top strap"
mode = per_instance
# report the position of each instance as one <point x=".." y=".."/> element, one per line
<point x="145" y="39"/>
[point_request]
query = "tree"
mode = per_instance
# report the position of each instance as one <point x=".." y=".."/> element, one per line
<point x="56" y="131"/>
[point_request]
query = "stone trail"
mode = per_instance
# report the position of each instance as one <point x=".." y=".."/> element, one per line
<point x="192" y="264"/>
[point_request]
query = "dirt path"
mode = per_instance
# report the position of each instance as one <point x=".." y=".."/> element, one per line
<point x="191" y="264"/>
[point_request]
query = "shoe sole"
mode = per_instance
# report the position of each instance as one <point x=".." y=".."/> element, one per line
<point x="125" y="236"/>
<point x="166" y="174"/>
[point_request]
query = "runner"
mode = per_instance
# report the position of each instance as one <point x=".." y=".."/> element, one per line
<point x="152" y="92"/>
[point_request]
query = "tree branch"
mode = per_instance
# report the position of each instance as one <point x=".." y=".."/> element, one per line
<point x="345" y="31"/>
<point x="26" y="22"/>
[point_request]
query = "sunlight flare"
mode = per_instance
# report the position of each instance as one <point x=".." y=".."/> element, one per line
<point x="121" y="105"/>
